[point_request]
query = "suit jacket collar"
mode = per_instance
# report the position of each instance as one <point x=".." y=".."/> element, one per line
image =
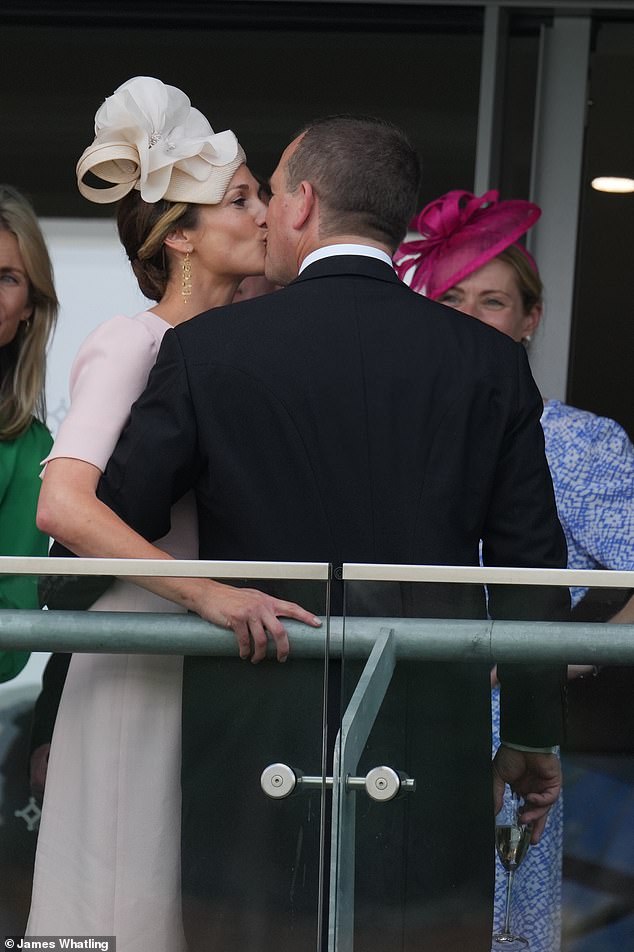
<point x="342" y="265"/>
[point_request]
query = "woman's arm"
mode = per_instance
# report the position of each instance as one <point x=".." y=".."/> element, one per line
<point x="70" y="512"/>
<point x="625" y="615"/>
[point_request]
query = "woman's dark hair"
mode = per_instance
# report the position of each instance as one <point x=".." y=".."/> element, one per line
<point x="143" y="228"/>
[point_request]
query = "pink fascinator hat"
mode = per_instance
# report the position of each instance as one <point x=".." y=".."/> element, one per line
<point x="149" y="137"/>
<point x="460" y="233"/>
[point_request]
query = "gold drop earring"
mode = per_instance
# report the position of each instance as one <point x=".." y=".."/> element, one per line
<point x="186" y="289"/>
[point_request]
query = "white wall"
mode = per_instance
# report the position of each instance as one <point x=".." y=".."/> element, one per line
<point x="94" y="282"/>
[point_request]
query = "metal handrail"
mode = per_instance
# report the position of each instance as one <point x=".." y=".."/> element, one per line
<point x="415" y="639"/>
<point x="351" y="571"/>
<point x="438" y="639"/>
<point x="484" y="575"/>
<point x="169" y="568"/>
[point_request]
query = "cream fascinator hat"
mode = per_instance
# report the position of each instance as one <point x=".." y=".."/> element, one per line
<point x="149" y="137"/>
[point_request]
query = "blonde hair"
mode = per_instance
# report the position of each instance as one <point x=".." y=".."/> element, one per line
<point x="23" y="361"/>
<point x="529" y="282"/>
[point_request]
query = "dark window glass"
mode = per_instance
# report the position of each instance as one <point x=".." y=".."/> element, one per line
<point x="420" y="71"/>
<point x="600" y="377"/>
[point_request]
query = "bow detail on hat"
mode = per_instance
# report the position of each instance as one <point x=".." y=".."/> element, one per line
<point x="143" y="132"/>
<point x="460" y="225"/>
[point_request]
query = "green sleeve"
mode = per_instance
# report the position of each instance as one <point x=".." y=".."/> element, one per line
<point x="11" y="663"/>
<point x="20" y="465"/>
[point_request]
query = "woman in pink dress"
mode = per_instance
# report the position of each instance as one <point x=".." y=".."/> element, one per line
<point x="193" y="226"/>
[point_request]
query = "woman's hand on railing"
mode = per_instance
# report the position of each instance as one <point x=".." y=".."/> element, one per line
<point x="253" y="616"/>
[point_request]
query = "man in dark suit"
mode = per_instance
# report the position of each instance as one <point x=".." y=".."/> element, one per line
<point x="346" y="418"/>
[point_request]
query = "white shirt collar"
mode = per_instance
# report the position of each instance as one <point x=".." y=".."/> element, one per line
<point x="329" y="251"/>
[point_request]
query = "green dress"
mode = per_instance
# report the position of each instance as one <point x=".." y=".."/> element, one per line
<point x="20" y="465"/>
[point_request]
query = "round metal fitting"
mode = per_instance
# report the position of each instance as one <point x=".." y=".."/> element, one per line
<point x="278" y="781"/>
<point x="382" y="783"/>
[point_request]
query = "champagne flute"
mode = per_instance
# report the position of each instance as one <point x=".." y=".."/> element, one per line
<point x="512" y="839"/>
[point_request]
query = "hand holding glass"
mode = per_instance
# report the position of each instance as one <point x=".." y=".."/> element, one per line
<point x="512" y="839"/>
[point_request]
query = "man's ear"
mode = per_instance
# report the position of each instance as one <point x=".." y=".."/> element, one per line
<point x="305" y="201"/>
<point x="178" y="241"/>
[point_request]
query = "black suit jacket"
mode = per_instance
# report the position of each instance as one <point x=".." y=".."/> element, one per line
<point x="346" y="418"/>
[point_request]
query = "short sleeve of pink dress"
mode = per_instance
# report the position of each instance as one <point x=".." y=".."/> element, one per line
<point x="109" y="373"/>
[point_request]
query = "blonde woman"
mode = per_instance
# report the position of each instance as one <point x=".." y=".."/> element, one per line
<point x="28" y="312"/>
<point x="468" y="256"/>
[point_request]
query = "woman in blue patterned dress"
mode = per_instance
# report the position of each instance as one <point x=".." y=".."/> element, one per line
<point x="468" y="257"/>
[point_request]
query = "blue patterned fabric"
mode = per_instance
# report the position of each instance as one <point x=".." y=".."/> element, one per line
<point x="591" y="462"/>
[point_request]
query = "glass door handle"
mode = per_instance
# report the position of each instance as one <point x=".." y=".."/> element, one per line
<point x="381" y="783"/>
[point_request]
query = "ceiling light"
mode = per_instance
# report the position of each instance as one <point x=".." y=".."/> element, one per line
<point x="610" y="183"/>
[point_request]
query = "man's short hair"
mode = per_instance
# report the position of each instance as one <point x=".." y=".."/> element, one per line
<point x="365" y="172"/>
